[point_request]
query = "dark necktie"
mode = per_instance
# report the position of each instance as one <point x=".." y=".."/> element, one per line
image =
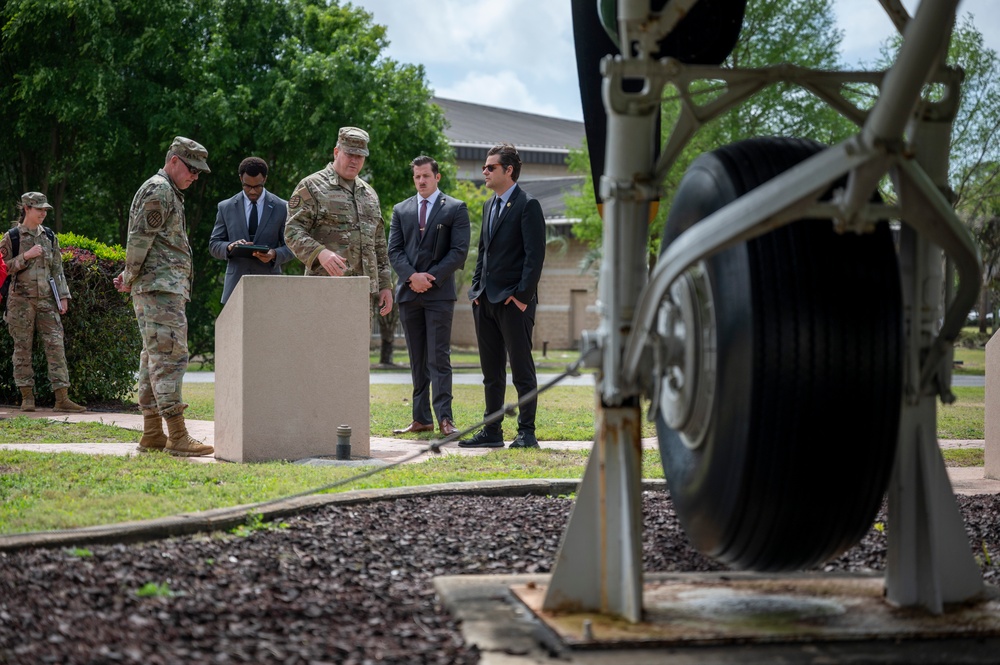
<point x="423" y="215"/>
<point x="495" y="216"/>
<point x="253" y="219"/>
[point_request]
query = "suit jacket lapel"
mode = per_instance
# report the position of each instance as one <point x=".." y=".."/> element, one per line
<point x="503" y="211"/>
<point x="433" y="212"/>
<point x="265" y="208"/>
<point x="485" y="232"/>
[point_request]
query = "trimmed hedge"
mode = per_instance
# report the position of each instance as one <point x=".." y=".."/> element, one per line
<point x="102" y="339"/>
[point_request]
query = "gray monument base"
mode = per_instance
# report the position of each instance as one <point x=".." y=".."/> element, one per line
<point x="291" y="365"/>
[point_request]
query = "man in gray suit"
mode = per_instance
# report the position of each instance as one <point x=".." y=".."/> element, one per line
<point x="428" y="242"/>
<point x="255" y="216"/>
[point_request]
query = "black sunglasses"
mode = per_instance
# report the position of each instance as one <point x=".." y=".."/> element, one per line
<point x="190" y="168"/>
<point x="490" y="167"/>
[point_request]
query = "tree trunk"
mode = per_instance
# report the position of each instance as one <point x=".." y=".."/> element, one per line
<point x="983" y="308"/>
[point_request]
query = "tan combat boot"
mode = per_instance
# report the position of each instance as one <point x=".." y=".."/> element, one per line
<point x="180" y="443"/>
<point x="64" y="403"/>
<point x="27" y="398"/>
<point x="153" y="439"/>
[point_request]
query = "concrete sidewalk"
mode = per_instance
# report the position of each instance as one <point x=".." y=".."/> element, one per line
<point x="388" y="450"/>
<point x="965" y="480"/>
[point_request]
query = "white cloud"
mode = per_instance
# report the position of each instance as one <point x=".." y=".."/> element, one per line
<point x="519" y="53"/>
<point x="497" y="90"/>
<point x="866" y="25"/>
<point x="516" y="53"/>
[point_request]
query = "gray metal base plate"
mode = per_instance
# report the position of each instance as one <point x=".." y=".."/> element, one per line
<point x="723" y="618"/>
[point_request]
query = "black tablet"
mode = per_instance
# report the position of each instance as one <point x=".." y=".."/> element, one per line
<point x="246" y="251"/>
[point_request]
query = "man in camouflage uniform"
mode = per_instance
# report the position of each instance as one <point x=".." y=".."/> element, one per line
<point x="36" y="270"/>
<point x="158" y="273"/>
<point x="335" y="223"/>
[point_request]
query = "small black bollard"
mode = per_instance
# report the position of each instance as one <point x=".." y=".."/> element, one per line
<point x="344" y="442"/>
<point x="545" y="349"/>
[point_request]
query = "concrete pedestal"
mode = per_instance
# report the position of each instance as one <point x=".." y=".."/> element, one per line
<point x="992" y="415"/>
<point x="291" y="364"/>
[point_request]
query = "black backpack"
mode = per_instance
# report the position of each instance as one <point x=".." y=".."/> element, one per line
<point x="15" y="247"/>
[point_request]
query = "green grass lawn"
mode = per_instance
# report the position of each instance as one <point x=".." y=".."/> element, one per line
<point x="54" y="491"/>
<point x="965" y="419"/>
<point x="567" y="413"/>
<point x="43" y="491"/>
<point x="963" y="456"/>
<point x="973" y="361"/>
<point x="564" y="413"/>
<point x="22" y="429"/>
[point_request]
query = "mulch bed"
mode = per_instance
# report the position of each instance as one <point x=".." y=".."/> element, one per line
<point x="349" y="585"/>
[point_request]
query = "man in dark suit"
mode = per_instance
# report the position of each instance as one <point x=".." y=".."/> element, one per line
<point x="255" y="216"/>
<point x="504" y="294"/>
<point x="428" y="242"/>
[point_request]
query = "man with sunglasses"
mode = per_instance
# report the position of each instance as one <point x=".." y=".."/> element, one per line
<point x="504" y="294"/>
<point x="158" y="274"/>
<point x="254" y="216"/>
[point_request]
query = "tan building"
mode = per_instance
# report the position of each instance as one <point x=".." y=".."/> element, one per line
<point x="566" y="296"/>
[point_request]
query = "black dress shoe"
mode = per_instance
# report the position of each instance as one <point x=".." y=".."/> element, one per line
<point x="414" y="427"/>
<point x="447" y="427"/>
<point x="482" y="440"/>
<point x="524" y="440"/>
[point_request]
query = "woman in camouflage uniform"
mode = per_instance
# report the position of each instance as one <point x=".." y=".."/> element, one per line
<point x="37" y="280"/>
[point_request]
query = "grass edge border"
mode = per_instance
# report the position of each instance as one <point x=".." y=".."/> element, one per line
<point x="221" y="519"/>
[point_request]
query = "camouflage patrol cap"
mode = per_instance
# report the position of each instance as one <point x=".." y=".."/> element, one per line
<point x="191" y="152"/>
<point x="35" y="200"/>
<point x="353" y="141"/>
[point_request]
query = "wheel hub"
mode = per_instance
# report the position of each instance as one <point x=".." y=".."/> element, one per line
<point x="687" y="382"/>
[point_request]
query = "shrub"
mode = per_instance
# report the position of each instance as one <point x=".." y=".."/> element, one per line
<point x="971" y="338"/>
<point x="102" y="339"/>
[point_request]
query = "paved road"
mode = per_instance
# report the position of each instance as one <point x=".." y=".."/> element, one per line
<point x="966" y="380"/>
<point x="474" y="379"/>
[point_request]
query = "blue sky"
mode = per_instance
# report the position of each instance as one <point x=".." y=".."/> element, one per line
<point x="519" y="53"/>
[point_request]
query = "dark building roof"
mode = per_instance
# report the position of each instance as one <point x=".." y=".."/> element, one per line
<point x="551" y="193"/>
<point x="473" y="129"/>
<point x="477" y="126"/>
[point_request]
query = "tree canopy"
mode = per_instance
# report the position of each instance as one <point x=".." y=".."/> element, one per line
<point x="974" y="175"/>
<point x="803" y="32"/>
<point x="93" y="91"/>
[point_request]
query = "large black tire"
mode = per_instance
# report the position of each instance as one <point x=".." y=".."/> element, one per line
<point x="790" y="463"/>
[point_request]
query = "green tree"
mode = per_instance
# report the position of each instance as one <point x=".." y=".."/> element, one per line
<point x="94" y="91"/>
<point x="475" y="196"/>
<point x="975" y="147"/>
<point x="53" y="104"/>
<point x="974" y="167"/>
